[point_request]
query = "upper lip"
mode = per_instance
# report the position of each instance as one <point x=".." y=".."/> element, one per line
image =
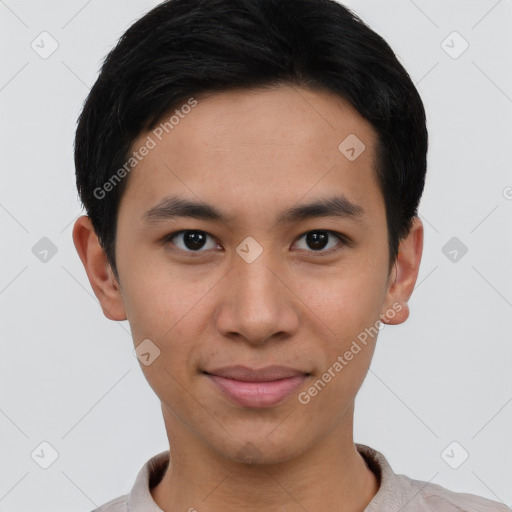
<point x="266" y="374"/>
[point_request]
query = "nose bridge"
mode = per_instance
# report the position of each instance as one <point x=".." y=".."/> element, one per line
<point x="255" y="285"/>
<point x="257" y="305"/>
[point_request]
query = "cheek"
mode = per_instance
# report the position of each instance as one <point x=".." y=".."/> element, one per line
<point x="158" y="312"/>
<point x="346" y="323"/>
<point x="156" y="296"/>
<point x="167" y="309"/>
<point x="346" y="299"/>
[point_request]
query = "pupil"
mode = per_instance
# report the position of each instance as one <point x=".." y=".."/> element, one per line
<point x="194" y="240"/>
<point x="317" y="239"/>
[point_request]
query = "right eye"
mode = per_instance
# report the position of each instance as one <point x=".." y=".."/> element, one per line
<point x="190" y="240"/>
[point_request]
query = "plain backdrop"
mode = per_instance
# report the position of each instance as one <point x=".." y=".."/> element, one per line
<point x="68" y="376"/>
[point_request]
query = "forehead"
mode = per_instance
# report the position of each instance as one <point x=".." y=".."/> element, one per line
<point x="255" y="148"/>
<point x="284" y="116"/>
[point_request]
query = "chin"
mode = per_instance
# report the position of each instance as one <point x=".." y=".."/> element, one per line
<point x="260" y="451"/>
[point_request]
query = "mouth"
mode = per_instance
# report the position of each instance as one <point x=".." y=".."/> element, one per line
<point x="257" y="388"/>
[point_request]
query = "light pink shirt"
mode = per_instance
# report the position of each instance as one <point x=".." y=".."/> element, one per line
<point x="397" y="493"/>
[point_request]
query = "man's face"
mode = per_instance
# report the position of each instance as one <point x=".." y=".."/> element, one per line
<point x="253" y="290"/>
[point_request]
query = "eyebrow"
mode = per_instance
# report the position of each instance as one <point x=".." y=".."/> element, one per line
<point x="169" y="208"/>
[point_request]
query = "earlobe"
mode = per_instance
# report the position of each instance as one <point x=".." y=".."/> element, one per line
<point x="96" y="265"/>
<point x="404" y="276"/>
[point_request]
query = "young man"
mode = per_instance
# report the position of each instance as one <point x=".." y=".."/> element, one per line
<point x="251" y="171"/>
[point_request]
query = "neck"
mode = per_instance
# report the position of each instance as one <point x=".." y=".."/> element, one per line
<point x="330" y="476"/>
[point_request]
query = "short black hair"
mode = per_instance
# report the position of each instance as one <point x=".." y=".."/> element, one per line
<point x="184" y="48"/>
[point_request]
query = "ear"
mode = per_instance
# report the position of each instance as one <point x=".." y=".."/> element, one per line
<point x="100" y="274"/>
<point x="404" y="275"/>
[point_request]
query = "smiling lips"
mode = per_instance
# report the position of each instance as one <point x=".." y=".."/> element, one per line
<point x="257" y="388"/>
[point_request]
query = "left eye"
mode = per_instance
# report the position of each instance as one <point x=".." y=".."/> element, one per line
<point x="194" y="241"/>
<point x="318" y="240"/>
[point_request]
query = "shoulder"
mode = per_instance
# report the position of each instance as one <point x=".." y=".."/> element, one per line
<point x="429" y="497"/>
<point x="139" y="499"/>
<point x="400" y="493"/>
<point x="117" y="505"/>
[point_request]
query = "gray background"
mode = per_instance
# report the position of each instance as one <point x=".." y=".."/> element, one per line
<point x="68" y="376"/>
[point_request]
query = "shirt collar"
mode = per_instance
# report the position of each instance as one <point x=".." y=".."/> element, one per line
<point x="391" y="492"/>
<point x="140" y="499"/>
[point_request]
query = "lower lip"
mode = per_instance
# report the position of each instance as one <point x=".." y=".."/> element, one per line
<point x="257" y="394"/>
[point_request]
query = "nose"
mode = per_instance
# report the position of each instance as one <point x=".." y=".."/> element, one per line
<point x="257" y="303"/>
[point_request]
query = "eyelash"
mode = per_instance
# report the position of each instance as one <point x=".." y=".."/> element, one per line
<point x="342" y="238"/>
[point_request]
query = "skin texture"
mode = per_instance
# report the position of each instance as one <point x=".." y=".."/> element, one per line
<point x="254" y="154"/>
